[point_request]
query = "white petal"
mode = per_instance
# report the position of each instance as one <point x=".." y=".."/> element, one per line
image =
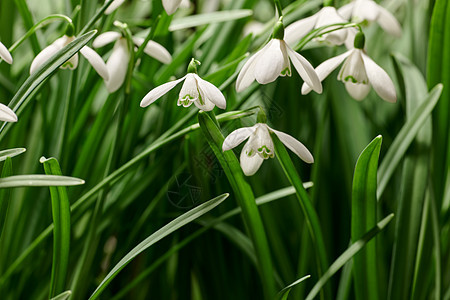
<point x="237" y="137"/>
<point x="298" y="148"/>
<point x="327" y="16"/>
<point x="389" y="23"/>
<point x="171" y="5"/>
<point x="189" y="91"/>
<point x="157" y="92"/>
<point x="206" y="106"/>
<point x="358" y="91"/>
<point x="325" y="68"/>
<point x="250" y="164"/>
<point x="380" y="80"/>
<point x="117" y="65"/>
<point x="270" y="62"/>
<point x="350" y="40"/>
<point x="5" y="55"/>
<point x="346" y="10"/>
<point x="105" y="39"/>
<point x="297" y="30"/>
<point x="212" y="93"/>
<point x="365" y="10"/>
<point x="45" y="54"/>
<point x="72" y="63"/>
<point x="96" y="62"/>
<point x="113" y="6"/>
<point x="154" y="50"/>
<point x="305" y="70"/>
<point x="6" y="114"/>
<point x="353" y="68"/>
<point x="247" y="74"/>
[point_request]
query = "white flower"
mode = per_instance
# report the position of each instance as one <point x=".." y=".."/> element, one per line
<point x="94" y="59"/>
<point x="117" y="63"/>
<point x="194" y="90"/>
<point x="361" y="10"/>
<point x="260" y="146"/>
<point x="324" y="17"/>
<point x="4" y="54"/>
<point x="171" y="5"/>
<point x="113" y="6"/>
<point x="358" y="73"/>
<point x="7" y="114"/>
<point x="273" y="60"/>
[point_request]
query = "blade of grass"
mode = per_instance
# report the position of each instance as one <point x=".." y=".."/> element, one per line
<point x="39" y="180"/>
<point x="4" y="154"/>
<point x="209" y="18"/>
<point x="5" y="194"/>
<point x="284" y="293"/>
<point x="63" y="296"/>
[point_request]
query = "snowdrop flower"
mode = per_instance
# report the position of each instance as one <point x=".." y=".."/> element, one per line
<point x="7" y="114"/>
<point x="117" y="64"/>
<point x="171" y="5"/>
<point x="358" y="73"/>
<point x="4" y="54"/>
<point x="260" y="146"/>
<point x="328" y="15"/>
<point x="273" y="60"/>
<point x="113" y="6"/>
<point x="361" y="10"/>
<point x="94" y="59"/>
<point x="194" y="90"/>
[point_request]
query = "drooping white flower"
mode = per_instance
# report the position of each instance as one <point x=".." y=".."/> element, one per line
<point x="171" y="5"/>
<point x="7" y="114"/>
<point x="273" y="60"/>
<point x="195" y="90"/>
<point x="94" y="59"/>
<point x="260" y="146"/>
<point x="361" y="10"/>
<point x="117" y="63"/>
<point x="113" y="6"/>
<point x="4" y="54"/>
<point x="328" y="15"/>
<point x="358" y="73"/>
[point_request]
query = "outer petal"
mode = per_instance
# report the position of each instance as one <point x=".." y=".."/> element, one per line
<point x="211" y="92"/>
<point x="346" y="10"/>
<point x="5" y="55"/>
<point x="96" y="62"/>
<point x="250" y="164"/>
<point x="117" y="66"/>
<point x="157" y="92"/>
<point x="365" y="10"/>
<point x="358" y="91"/>
<point x="325" y="68"/>
<point x="270" y="62"/>
<point x="297" y="30"/>
<point x="237" y="137"/>
<point x="46" y="53"/>
<point x="380" y="80"/>
<point x="305" y="70"/>
<point x="154" y="50"/>
<point x="247" y="74"/>
<point x="327" y="16"/>
<point x="7" y="114"/>
<point x="113" y="6"/>
<point x="171" y="5"/>
<point x="389" y="23"/>
<point x="105" y="39"/>
<point x="207" y="106"/>
<point x="298" y="148"/>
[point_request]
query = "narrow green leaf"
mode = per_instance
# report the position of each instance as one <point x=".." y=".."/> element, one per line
<point x="284" y="293"/>
<point x="63" y="296"/>
<point x="156" y="237"/>
<point x="364" y="217"/>
<point x="38" y="180"/>
<point x="61" y="229"/>
<point x="5" y="194"/>
<point x="405" y="137"/>
<point x="4" y="154"/>
<point x="209" y="18"/>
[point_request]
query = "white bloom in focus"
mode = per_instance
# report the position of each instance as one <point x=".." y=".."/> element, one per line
<point x="4" y="54"/>
<point x="113" y="6"/>
<point x="195" y="90"/>
<point x="361" y="10"/>
<point x="358" y="73"/>
<point x="94" y="59"/>
<point x="171" y="5"/>
<point x="328" y="15"/>
<point x="272" y="61"/>
<point x="260" y="146"/>
<point x="7" y="114"/>
<point x="117" y="63"/>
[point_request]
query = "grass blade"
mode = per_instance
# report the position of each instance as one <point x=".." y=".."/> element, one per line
<point x="4" y="154"/>
<point x="38" y="180"/>
<point x="63" y="296"/>
<point x="5" y="195"/>
<point x="209" y="18"/>
<point x="284" y="293"/>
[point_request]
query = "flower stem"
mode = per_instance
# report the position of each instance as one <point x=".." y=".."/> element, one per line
<point x="279" y="8"/>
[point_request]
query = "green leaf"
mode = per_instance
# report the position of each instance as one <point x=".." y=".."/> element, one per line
<point x="61" y="229"/>
<point x="21" y="98"/>
<point x="63" y="296"/>
<point x="4" y="154"/>
<point x="209" y="18"/>
<point x="156" y="237"/>
<point x="38" y="180"/>
<point x="405" y="137"/>
<point x="284" y="293"/>
<point x="5" y="194"/>
<point x="364" y="217"/>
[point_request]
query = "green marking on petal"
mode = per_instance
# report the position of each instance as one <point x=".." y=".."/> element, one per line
<point x="286" y="72"/>
<point x="351" y="78"/>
